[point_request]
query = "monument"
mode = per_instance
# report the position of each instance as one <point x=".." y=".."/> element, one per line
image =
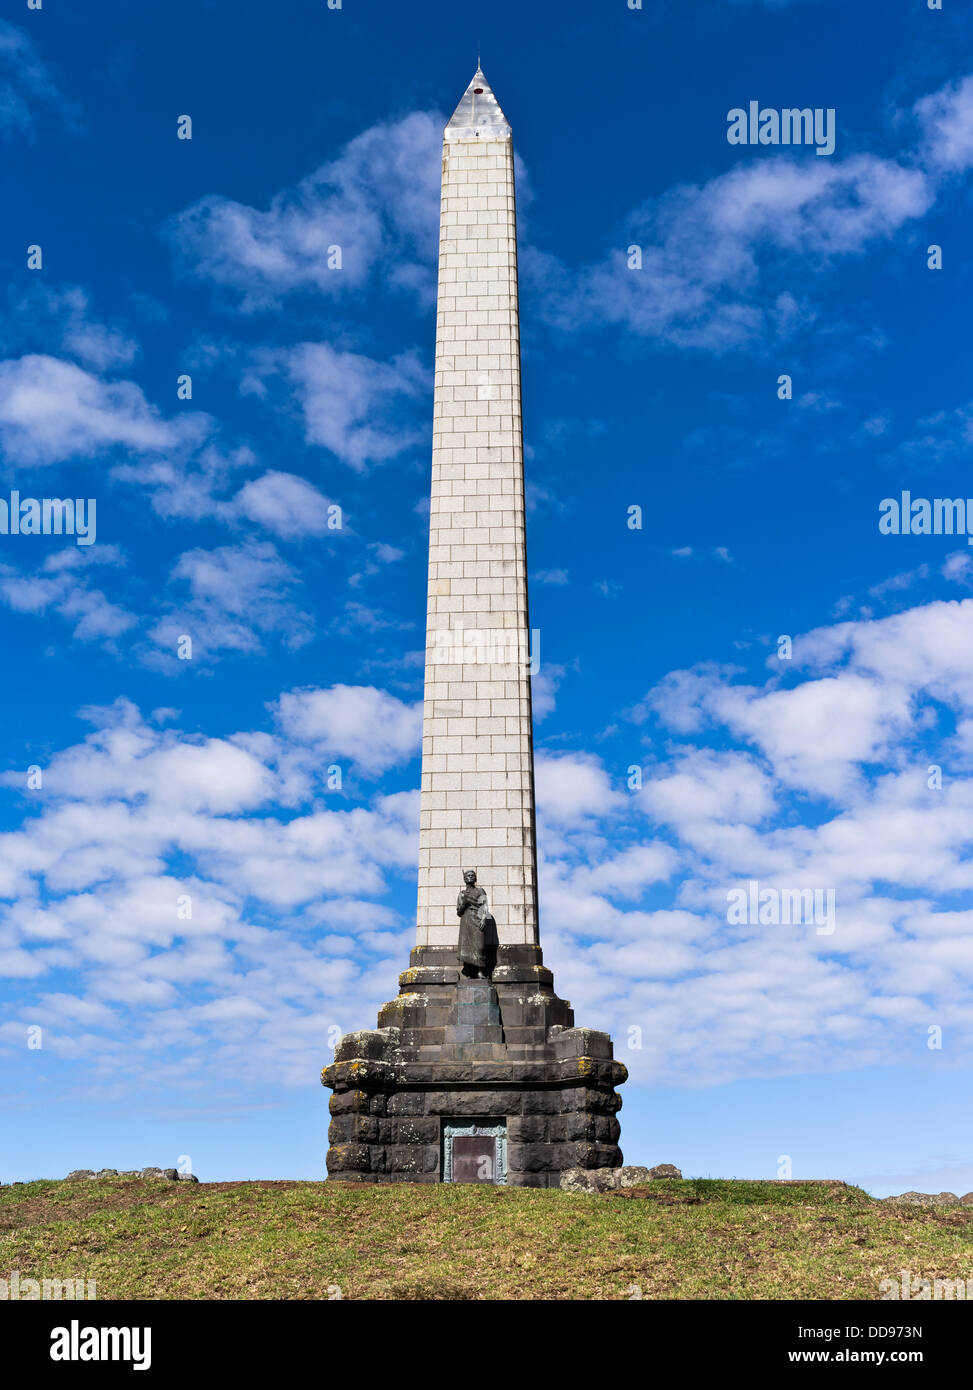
<point x="476" y="1072"/>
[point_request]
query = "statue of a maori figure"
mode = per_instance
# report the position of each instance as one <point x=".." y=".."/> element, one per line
<point x="473" y="911"/>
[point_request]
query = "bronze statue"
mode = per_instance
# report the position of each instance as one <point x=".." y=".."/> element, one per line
<point x="473" y="910"/>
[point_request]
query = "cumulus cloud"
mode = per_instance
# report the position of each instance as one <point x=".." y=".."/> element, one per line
<point x="61" y="584"/>
<point x="349" y="403"/>
<point x="52" y="411"/>
<point x="717" y="258"/>
<point x="372" y="728"/>
<point x="378" y="202"/>
<point x="853" y="727"/>
<point x="289" y="506"/>
<point x="287" y="878"/>
<point x="126" y="759"/>
<point x="237" y="595"/>
<point x="946" y="121"/>
<point x="145" y="870"/>
<point x="42" y="315"/>
<point x="573" y="788"/>
<point x="706" y="248"/>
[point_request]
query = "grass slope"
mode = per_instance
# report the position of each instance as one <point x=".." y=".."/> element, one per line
<point x="147" y="1239"/>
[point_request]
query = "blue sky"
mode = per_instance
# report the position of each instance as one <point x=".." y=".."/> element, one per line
<point x="163" y="1035"/>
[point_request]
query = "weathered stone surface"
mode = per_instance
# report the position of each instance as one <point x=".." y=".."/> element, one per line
<point x="413" y="1130"/>
<point x="531" y="1129"/>
<point x="631" y="1175"/>
<point x="609" y="1179"/>
<point x="366" y="1044"/>
<point x="552" y="1123"/>
<point x="588" y="1180"/>
<point x="170" y="1174"/>
<point x="582" y="1042"/>
<point x="407" y="1103"/>
<point x="926" y="1199"/>
<point x="343" y="1101"/>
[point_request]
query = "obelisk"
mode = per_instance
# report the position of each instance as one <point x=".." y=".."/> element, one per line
<point x="477" y="804"/>
<point x="476" y="1072"/>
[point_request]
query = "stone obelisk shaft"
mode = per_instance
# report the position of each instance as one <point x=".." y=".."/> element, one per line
<point x="477" y="801"/>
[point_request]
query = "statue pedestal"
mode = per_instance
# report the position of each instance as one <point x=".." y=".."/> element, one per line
<point x="454" y="1056"/>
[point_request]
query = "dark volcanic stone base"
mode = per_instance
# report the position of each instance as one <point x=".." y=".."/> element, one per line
<point x="450" y="1048"/>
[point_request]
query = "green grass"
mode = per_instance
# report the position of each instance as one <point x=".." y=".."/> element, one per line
<point x="694" y="1239"/>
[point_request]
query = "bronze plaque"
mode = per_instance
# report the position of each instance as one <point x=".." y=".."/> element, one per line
<point x="474" y="1158"/>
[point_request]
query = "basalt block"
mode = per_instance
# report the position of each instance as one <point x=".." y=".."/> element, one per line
<point x="474" y="1080"/>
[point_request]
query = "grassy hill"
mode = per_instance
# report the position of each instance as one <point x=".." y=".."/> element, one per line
<point x="152" y="1239"/>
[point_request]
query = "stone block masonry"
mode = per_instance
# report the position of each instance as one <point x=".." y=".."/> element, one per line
<point x="484" y="1077"/>
<point x="449" y="1049"/>
<point x="477" y="799"/>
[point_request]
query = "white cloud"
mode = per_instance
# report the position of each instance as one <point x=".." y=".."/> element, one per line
<point x="379" y="554"/>
<point x="238" y="594"/>
<point x="60" y="584"/>
<point x="369" y="726"/>
<point x="27" y="85"/>
<point x="719" y="258"/>
<point x="707" y="248"/>
<point x="285" y="504"/>
<point x="628" y="874"/>
<point x="946" y="121"/>
<point x="188" y="486"/>
<point x="124" y="759"/>
<point x="378" y="201"/>
<point x="633" y="886"/>
<point x="52" y="411"/>
<point x="702" y="785"/>
<point x="43" y="315"/>
<point x="349" y="403"/>
<point x="573" y="788"/>
<point x="134" y="825"/>
<point x="543" y="689"/>
<point x="817" y="735"/>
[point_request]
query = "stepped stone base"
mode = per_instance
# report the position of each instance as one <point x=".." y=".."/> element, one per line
<point x="484" y="1056"/>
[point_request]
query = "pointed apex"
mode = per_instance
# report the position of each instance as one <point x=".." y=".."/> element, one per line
<point x="478" y="115"/>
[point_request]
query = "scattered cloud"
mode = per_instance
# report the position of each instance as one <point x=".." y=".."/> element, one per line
<point x="52" y="411"/>
<point x="717" y="258"/>
<point x="285" y="504"/>
<point x="239" y="595"/>
<point x="377" y="203"/>
<point x="28" y="88"/>
<point x="61" y="585"/>
<point x="372" y="728"/>
<point x="348" y="403"/>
